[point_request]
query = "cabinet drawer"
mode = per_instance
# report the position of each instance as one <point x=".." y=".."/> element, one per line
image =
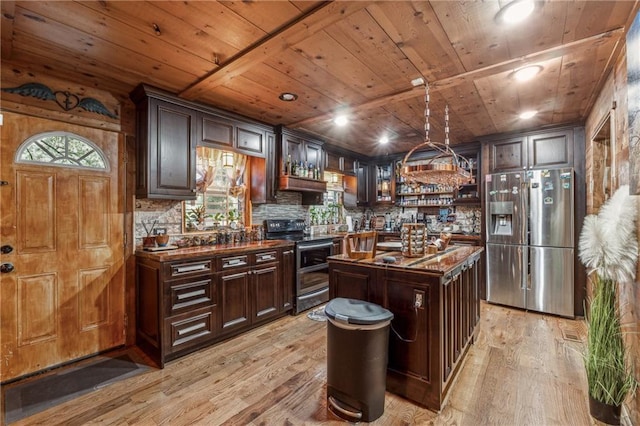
<point x="230" y="262"/>
<point x="267" y="256"/>
<point x="189" y="268"/>
<point x="186" y="296"/>
<point x="189" y="329"/>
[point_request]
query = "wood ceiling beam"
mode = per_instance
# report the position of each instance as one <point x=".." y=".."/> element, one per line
<point x="7" y="8"/>
<point x="304" y="26"/>
<point x="447" y="83"/>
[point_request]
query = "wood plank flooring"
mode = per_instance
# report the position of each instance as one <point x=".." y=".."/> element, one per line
<point x="524" y="369"/>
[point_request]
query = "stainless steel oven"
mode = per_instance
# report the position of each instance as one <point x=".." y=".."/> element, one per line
<point x="312" y="273"/>
<point x="312" y="269"/>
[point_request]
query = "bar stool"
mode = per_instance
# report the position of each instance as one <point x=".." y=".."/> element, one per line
<point x="361" y="245"/>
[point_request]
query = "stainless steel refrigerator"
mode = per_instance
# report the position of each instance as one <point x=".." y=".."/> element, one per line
<point x="530" y="242"/>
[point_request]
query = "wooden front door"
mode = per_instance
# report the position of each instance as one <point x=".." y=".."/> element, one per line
<point x="64" y="298"/>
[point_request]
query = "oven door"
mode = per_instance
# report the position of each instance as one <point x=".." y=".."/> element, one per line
<point x="312" y="269"/>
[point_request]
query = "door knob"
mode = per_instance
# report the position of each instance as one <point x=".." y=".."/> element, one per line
<point x="5" y="268"/>
<point x="6" y="249"/>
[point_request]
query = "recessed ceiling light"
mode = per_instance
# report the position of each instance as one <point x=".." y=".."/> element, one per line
<point x="288" y="97"/>
<point x="527" y="114"/>
<point x="341" y="120"/>
<point x="516" y="11"/>
<point x="417" y="82"/>
<point x="527" y="73"/>
<point x="384" y="140"/>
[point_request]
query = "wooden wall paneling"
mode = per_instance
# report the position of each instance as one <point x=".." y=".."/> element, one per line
<point x="14" y="76"/>
<point x="633" y="103"/>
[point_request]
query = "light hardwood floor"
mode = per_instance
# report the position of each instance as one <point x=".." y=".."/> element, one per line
<point x="524" y="369"/>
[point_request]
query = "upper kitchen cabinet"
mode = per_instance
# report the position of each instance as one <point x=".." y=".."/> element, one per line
<point x="166" y="156"/>
<point x="385" y="183"/>
<point x="550" y="149"/>
<point x="301" y="162"/>
<point x="300" y="148"/>
<point x="363" y="184"/>
<point x="223" y="132"/>
<point x="264" y="173"/>
<point x="339" y="162"/>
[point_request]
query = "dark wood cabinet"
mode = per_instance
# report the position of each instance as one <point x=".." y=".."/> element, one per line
<point x="170" y="128"/>
<point x="532" y="151"/>
<point x="363" y="185"/>
<point x="188" y="304"/>
<point x="508" y="155"/>
<point x="339" y="161"/>
<point x="264" y="173"/>
<point x="332" y="162"/>
<point x="166" y="156"/>
<point x="300" y="147"/>
<point x="215" y="130"/>
<point x="234" y="292"/>
<point x="288" y="280"/>
<point x="177" y="306"/>
<point x="435" y="321"/>
<point x="350" y="195"/>
<point x="249" y="287"/>
<point x="384" y="183"/>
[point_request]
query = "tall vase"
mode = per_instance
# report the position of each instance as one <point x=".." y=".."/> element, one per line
<point x="609" y="414"/>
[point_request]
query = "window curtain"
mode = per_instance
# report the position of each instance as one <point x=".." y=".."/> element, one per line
<point x="207" y="161"/>
<point x="236" y="175"/>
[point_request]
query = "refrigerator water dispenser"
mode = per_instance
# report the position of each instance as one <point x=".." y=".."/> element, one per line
<point x="501" y="217"/>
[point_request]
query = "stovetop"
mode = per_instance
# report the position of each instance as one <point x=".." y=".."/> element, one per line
<point x="290" y="230"/>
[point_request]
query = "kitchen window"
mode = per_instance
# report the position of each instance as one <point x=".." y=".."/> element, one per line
<point x="221" y="191"/>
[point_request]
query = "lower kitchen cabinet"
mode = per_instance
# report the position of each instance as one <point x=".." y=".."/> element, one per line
<point x="187" y="304"/>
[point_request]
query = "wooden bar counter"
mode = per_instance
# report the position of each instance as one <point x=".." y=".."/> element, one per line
<point x="436" y="306"/>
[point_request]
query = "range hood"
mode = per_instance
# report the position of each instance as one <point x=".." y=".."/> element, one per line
<point x="301" y="184"/>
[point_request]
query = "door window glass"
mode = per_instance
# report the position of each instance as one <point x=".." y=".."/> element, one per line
<point x="61" y="149"/>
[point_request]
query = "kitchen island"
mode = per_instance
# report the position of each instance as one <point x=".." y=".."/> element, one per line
<point x="436" y="306"/>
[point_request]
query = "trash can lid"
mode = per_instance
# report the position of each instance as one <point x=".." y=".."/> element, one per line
<point x="355" y="311"/>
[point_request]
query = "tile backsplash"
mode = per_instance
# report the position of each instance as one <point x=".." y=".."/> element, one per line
<point x="167" y="214"/>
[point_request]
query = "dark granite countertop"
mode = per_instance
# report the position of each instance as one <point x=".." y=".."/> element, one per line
<point x="437" y="264"/>
<point x="210" y="250"/>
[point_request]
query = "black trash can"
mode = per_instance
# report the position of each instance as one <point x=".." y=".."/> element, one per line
<point x="357" y="352"/>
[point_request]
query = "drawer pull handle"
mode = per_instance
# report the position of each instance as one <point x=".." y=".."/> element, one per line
<point x="191" y="268"/>
<point x="190" y="294"/>
<point x="234" y="262"/>
<point x="192" y="328"/>
<point x="267" y="257"/>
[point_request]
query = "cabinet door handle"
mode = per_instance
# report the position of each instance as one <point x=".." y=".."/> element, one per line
<point x="190" y="294"/>
<point x="191" y="268"/>
<point x="192" y="328"/>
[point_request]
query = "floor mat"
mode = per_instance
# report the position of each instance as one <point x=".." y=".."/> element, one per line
<point x="37" y="394"/>
<point x="317" y="314"/>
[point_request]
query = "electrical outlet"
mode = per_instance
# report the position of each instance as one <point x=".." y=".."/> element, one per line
<point x="161" y="231"/>
<point x="418" y="298"/>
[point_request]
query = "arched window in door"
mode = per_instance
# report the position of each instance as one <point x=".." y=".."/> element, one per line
<point x="62" y="149"/>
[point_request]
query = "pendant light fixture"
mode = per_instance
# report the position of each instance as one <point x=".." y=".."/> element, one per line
<point x="227" y="160"/>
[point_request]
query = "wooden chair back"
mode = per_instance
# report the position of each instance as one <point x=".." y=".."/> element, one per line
<point x="361" y="245"/>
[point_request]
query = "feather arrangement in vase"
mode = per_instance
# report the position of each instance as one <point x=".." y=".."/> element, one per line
<point x="608" y="247"/>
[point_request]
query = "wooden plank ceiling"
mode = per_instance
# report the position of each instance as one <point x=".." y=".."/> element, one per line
<point x="356" y="57"/>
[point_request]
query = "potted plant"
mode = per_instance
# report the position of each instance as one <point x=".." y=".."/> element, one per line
<point x="608" y="247"/>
